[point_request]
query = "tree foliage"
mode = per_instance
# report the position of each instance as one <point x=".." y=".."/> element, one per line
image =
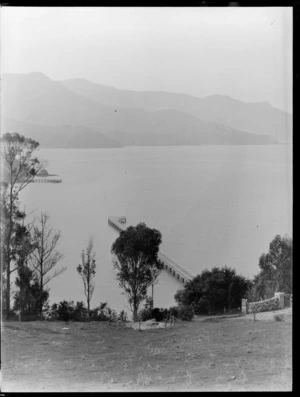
<point x="213" y="290"/>
<point x="87" y="271"/>
<point x="45" y="256"/>
<point x="19" y="164"/>
<point x="275" y="269"/>
<point x="28" y="299"/>
<point x="136" y="262"/>
<point x="16" y="252"/>
<point x="18" y="169"/>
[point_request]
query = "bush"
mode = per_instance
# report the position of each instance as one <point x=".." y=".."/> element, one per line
<point x="202" y="307"/>
<point x="52" y="312"/>
<point x="159" y="314"/>
<point x="145" y="315"/>
<point x="80" y="313"/>
<point x="174" y="311"/>
<point x="212" y="290"/>
<point x="123" y="315"/>
<point x="65" y="310"/>
<point x="186" y="313"/>
<point x="103" y="313"/>
<point x="13" y="316"/>
<point x="278" y="317"/>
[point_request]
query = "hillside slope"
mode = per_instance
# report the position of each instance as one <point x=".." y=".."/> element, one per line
<point x="66" y="136"/>
<point x="37" y="100"/>
<point x="256" y="118"/>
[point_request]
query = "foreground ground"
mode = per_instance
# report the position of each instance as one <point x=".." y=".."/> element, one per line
<point x="212" y="354"/>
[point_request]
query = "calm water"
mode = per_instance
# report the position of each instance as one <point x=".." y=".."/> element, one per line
<point x="214" y="205"/>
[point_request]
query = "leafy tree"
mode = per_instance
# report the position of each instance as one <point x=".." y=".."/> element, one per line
<point x="19" y="167"/>
<point x="276" y="268"/>
<point x="136" y="262"/>
<point x="45" y="256"/>
<point x="27" y="298"/>
<point x="21" y="245"/>
<point x="87" y="271"/>
<point x="213" y="290"/>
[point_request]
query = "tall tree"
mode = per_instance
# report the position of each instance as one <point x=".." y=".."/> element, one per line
<point x="20" y="242"/>
<point x="87" y="271"/>
<point x="275" y="268"/>
<point x="18" y="169"/>
<point x="27" y="298"/>
<point x="45" y="256"/>
<point x="136" y="262"/>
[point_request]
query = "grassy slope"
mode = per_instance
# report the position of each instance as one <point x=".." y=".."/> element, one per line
<point x="216" y="354"/>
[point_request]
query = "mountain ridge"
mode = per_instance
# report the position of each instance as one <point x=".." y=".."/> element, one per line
<point x="254" y="117"/>
<point x="35" y="99"/>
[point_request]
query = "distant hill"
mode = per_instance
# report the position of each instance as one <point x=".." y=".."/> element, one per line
<point x="60" y="117"/>
<point x="256" y="118"/>
<point x="60" y="136"/>
<point x="170" y="127"/>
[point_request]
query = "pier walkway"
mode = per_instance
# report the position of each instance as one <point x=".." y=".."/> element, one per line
<point x="177" y="271"/>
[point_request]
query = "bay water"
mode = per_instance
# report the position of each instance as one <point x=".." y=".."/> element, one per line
<point x="214" y="205"/>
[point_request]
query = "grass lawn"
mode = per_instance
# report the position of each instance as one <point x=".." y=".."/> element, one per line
<point x="220" y="354"/>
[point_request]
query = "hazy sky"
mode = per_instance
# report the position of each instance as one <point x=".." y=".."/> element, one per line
<point x="245" y="53"/>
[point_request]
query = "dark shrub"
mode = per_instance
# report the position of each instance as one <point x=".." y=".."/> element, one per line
<point x="80" y="312"/>
<point x="102" y="313"/>
<point x="174" y="311"/>
<point x="186" y="313"/>
<point x="158" y="314"/>
<point x="201" y="307"/>
<point x="13" y="316"/>
<point x="65" y="310"/>
<point x="145" y="314"/>
<point x="123" y="315"/>
<point x="52" y="313"/>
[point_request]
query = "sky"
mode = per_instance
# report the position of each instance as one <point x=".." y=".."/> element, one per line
<point x="245" y="53"/>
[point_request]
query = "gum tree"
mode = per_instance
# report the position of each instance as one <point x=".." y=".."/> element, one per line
<point x="136" y="262"/>
<point x="45" y="256"/>
<point x="18" y="168"/>
<point x="87" y="271"/>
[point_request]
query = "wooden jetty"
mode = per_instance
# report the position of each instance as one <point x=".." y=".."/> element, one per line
<point x="46" y="180"/>
<point x="177" y="271"/>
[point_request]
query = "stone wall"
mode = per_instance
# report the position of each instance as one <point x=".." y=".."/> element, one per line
<point x="288" y="300"/>
<point x="275" y="303"/>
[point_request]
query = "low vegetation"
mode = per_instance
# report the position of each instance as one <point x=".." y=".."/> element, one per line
<point x="215" y="354"/>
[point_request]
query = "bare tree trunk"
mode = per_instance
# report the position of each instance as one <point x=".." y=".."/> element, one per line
<point x="229" y="297"/>
<point x="7" y="298"/>
<point x="88" y="296"/>
<point x="8" y="255"/>
<point x="135" y="310"/>
<point x="41" y="297"/>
